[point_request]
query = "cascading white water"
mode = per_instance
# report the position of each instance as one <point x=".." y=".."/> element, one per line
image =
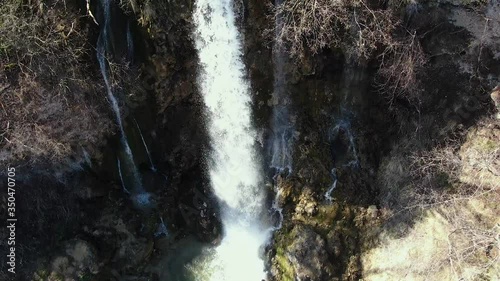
<point x="328" y="194"/>
<point x="281" y="150"/>
<point x="86" y="156"/>
<point x="233" y="167"/>
<point x="276" y="207"/>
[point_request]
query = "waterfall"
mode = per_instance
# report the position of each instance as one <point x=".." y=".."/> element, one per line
<point x="276" y="207"/>
<point x="281" y="123"/>
<point x="86" y="156"/>
<point x="119" y="165"/>
<point x="233" y="164"/>
<point x="344" y="152"/>
<point x="162" y="229"/>
<point x="343" y="149"/>
<point x="328" y="194"/>
<point x="152" y="166"/>
<point x="129" y="175"/>
<point x="281" y="151"/>
<point x="342" y="133"/>
<point x="128" y="163"/>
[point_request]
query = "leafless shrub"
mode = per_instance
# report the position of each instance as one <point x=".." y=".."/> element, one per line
<point x="439" y="160"/>
<point x="445" y="198"/>
<point x="466" y="193"/>
<point x="471" y="243"/>
<point x="308" y="24"/>
<point x="362" y="29"/>
<point x="401" y="62"/>
<point x="316" y="24"/>
<point x="469" y="163"/>
<point x="374" y="29"/>
<point x="50" y="105"/>
<point x="126" y="79"/>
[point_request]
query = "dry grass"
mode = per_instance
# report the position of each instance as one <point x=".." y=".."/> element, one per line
<point x="440" y="247"/>
<point x="51" y="107"/>
<point x="452" y="196"/>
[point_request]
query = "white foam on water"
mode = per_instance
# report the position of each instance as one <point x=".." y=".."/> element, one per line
<point x="233" y="167"/>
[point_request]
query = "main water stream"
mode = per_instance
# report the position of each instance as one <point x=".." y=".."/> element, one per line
<point x="233" y="162"/>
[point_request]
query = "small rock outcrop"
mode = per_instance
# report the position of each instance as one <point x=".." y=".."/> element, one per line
<point x="77" y="260"/>
<point x="308" y="256"/>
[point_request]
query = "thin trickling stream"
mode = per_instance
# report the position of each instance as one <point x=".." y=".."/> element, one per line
<point x="129" y="174"/>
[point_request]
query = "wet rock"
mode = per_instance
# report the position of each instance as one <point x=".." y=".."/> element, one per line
<point x="285" y="188"/>
<point x="307" y="205"/>
<point x="200" y="214"/>
<point x="120" y="243"/>
<point x="334" y="243"/>
<point x="90" y="189"/>
<point x="372" y="212"/>
<point x="308" y="255"/>
<point x="308" y="66"/>
<point x="132" y="250"/>
<point x="78" y="258"/>
<point x="353" y="271"/>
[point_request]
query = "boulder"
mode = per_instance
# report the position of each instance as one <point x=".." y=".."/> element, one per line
<point x="76" y="259"/>
<point x="307" y="205"/>
<point x="308" y="256"/>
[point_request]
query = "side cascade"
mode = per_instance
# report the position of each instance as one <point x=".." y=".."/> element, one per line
<point x="281" y="123"/>
<point x="328" y="193"/>
<point x="151" y="164"/>
<point x="233" y="164"/>
<point x="341" y="135"/>
<point x="344" y="152"/>
<point x="129" y="174"/>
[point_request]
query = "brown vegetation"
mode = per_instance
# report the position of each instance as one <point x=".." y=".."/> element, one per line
<point x="52" y="105"/>
<point x="362" y="29"/>
<point x="464" y="168"/>
<point x="451" y="197"/>
<point x="400" y="63"/>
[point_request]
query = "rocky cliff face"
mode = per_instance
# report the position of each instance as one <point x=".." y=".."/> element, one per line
<point x="351" y="153"/>
<point x="346" y="125"/>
